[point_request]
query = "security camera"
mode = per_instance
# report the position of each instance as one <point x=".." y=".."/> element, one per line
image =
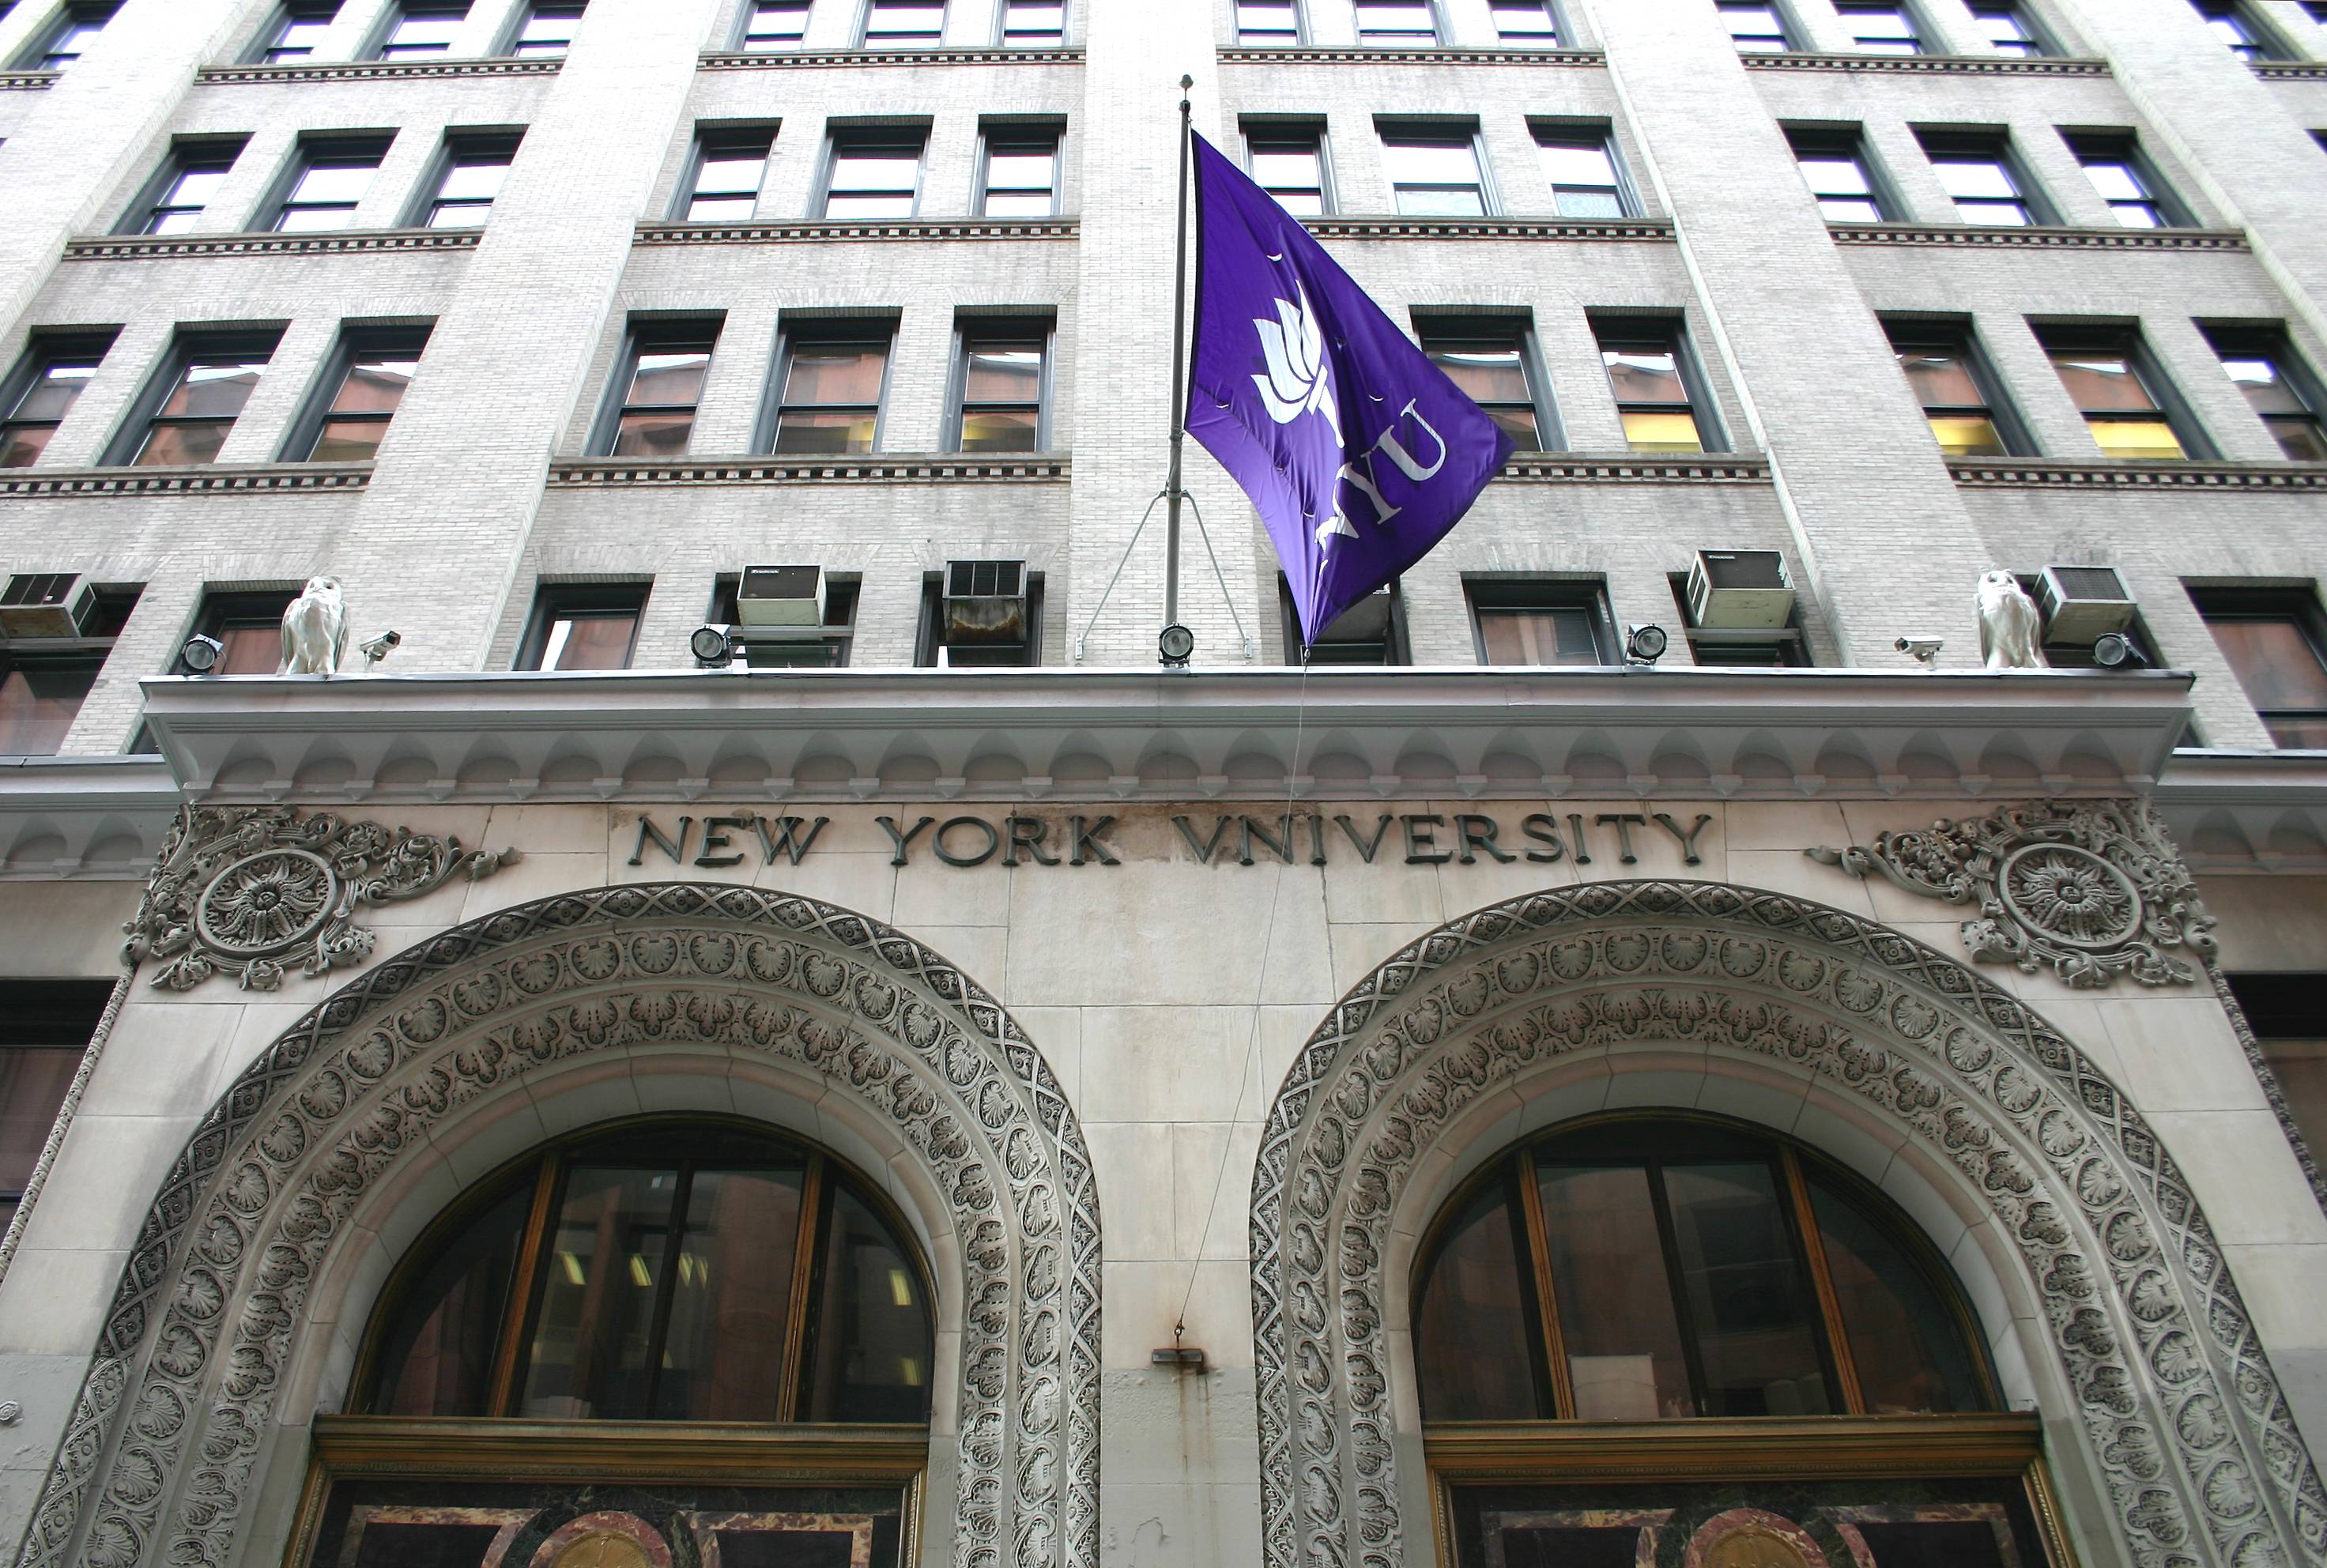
<point x="380" y="646"/>
<point x="1923" y="650"/>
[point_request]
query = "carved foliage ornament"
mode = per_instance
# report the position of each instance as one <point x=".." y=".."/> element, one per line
<point x="248" y="891"/>
<point x="2090" y="891"/>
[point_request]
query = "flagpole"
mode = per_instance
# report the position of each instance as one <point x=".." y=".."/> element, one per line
<point x="1179" y="373"/>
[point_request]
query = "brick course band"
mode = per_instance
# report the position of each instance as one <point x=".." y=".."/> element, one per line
<point x="1945" y="234"/>
<point x="2038" y="474"/>
<point x="1304" y="56"/>
<point x="591" y="475"/>
<point x="849" y="233"/>
<point x="372" y="70"/>
<point x="27" y="80"/>
<point x="1624" y="228"/>
<point x="254" y="479"/>
<point x="141" y="247"/>
<point x="859" y="59"/>
<point x="1929" y="64"/>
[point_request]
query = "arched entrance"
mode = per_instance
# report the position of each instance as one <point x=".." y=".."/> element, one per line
<point x="2175" y="1403"/>
<point x="189" y="1379"/>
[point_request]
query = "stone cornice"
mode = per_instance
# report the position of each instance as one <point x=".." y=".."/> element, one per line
<point x="208" y="478"/>
<point x="143" y="247"/>
<point x="374" y="69"/>
<point x="2051" y="473"/>
<point x="1388" y="227"/>
<point x="824" y="231"/>
<point x="98" y="817"/>
<point x="1930" y="64"/>
<point x="28" y="80"/>
<point x="2290" y="69"/>
<point x="1306" y="54"/>
<point x="1630" y="468"/>
<point x="2248" y="811"/>
<point x="2042" y="238"/>
<point x="1110" y="736"/>
<point x="598" y="473"/>
<point x="859" y="59"/>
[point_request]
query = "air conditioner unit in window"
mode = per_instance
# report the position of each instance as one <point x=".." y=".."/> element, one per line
<point x="1739" y="591"/>
<point x="46" y="604"/>
<point x="984" y="604"/>
<point x="777" y="601"/>
<point x="2082" y="603"/>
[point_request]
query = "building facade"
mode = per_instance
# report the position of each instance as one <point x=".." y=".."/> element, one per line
<point x="761" y="1027"/>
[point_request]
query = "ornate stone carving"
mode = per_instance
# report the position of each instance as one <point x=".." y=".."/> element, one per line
<point x="246" y="890"/>
<point x="2089" y="891"/>
<point x="161" y="1455"/>
<point x="2176" y="1403"/>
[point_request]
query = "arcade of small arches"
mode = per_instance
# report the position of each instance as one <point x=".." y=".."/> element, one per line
<point x="668" y="1224"/>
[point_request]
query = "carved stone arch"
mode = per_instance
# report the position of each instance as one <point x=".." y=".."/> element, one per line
<point x="2180" y="1412"/>
<point x="187" y="1376"/>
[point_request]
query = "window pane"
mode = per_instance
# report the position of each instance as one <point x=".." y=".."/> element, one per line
<point x="1616" y="1316"/>
<point x="2260" y="379"/>
<point x="731" y="173"/>
<point x="1487" y="372"/>
<point x="334" y="182"/>
<point x="1458" y="203"/>
<point x="375" y="386"/>
<point x="721" y="208"/>
<point x="1524" y="22"/>
<point x="416" y="35"/>
<point x="1432" y="162"/>
<point x="835" y="373"/>
<point x="2300" y="438"/>
<point x="995" y="374"/>
<point x="1576" y="163"/>
<point x="2137" y="438"/>
<point x="1006" y="204"/>
<point x="37" y="706"/>
<point x="1662" y="432"/>
<point x="1836" y="176"/>
<point x="439" y="1358"/>
<point x="799" y="432"/>
<point x="215" y="388"/>
<point x="1745" y="1295"/>
<point x="1904" y="1342"/>
<point x="314" y="219"/>
<point x="2101" y="381"/>
<point x="653" y="434"/>
<point x="1549" y="636"/>
<point x="2301" y="1066"/>
<point x="1472" y="1336"/>
<point x="178" y="443"/>
<point x="999" y="430"/>
<point x="724" y="1355"/>
<point x="479" y="182"/>
<point x="1277" y="167"/>
<point x="675" y="376"/>
<point x="590" y="1345"/>
<point x="1020" y="168"/>
<point x="840" y="205"/>
<point x="871" y="1357"/>
<point x="593" y="642"/>
<point x="1941" y="379"/>
<point x="348" y="440"/>
<point x="54" y="392"/>
<point x="194" y="188"/>
<point x="1976" y="179"/>
<point x="2275" y="662"/>
<point x="2116" y="181"/>
<point x="1644" y="376"/>
<point x="20" y="447"/>
<point x="1967" y="435"/>
<point x="875" y="171"/>
<point x="248" y="648"/>
<point x="32" y="1084"/>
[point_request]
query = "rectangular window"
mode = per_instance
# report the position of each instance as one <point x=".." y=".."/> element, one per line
<point x="1878" y="27"/>
<point x="2124" y="178"/>
<point x="45" y="1025"/>
<point x="1754" y="26"/>
<point x="1977" y="170"/>
<point x="186" y="184"/>
<point x="367" y="379"/>
<point x="36" y="397"/>
<point x="2238" y="30"/>
<point x="2289" y="1023"/>
<point x="2108" y="377"/>
<point x="1021" y="174"/>
<point x="1579" y="164"/>
<point x="2279" y="387"/>
<point x="1266" y="21"/>
<point x="1396" y="23"/>
<point x="1372" y="631"/>
<point x="1493" y="360"/>
<point x="831" y="382"/>
<point x="1436" y="170"/>
<point x="294" y="31"/>
<point x="474" y="167"/>
<point x="40" y="697"/>
<point x="1952" y="381"/>
<point x="199" y="396"/>
<point x="1539" y="623"/>
<point x="548" y="29"/>
<point x="1033" y="23"/>
<point x="1000" y="379"/>
<point x="247" y="627"/>
<point x="1654" y="383"/>
<point x="327" y="182"/>
<point x="904" y="24"/>
<point x="788" y="649"/>
<point x="418" y="29"/>
<point x="2273" y="640"/>
<point x="723" y="185"/>
<point x="771" y="26"/>
<point x="74" y="28"/>
<point x="1288" y="162"/>
<point x="980" y="615"/>
<point x="583" y="628"/>
<point x="875" y="173"/>
<point x="2008" y="29"/>
<point x="1834" y="167"/>
<point x="660" y="377"/>
<point x="1528" y="24"/>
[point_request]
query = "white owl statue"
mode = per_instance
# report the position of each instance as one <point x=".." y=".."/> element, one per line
<point x="2008" y="623"/>
<point x="315" y="630"/>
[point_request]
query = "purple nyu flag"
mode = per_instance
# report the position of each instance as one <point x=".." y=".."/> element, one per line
<point x="1358" y="452"/>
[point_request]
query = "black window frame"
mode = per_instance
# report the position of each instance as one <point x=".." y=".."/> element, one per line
<point x="1443" y="131"/>
<point x="1400" y="39"/>
<point x="2263" y="41"/>
<point x="862" y="329"/>
<point x="2122" y="147"/>
<point x="1615" y="332"/>
<point x="2040" y="41"/>
<point x="43" y="53"/>
<point x="2128" y="341"/>
<point x="1552" y="11"/>
<point x="219" y="610"/>
<point x="780" y="43"/>
<point x="1337" y="644"/>
<point x="203" y="154"/>
<point x="1544" y="595"/>
<point x="515" y="45"/>
<point x="1845" y="144"/>
<point x="722" y="140"/>
<point x="1959" y="336"/>
<point x="2271" y="341"/>
<point x="1547" y="132"/>
<point x="1987" y="145"/>
<point x="2297" y="605"/>
<point x="1013" y="136"/>
<point x="320" y="149"/>
<point x="865" y="35"/>
<point x="928" y="635"/>
<point x="1005" y="37"/>
<point x="555" y="602"/>
<point x="270" y="48"/>
<point x="1450" y="330"/>
<point x="356" y="342"/>
<point x="1270" y="38"/>
<point x="644" y="334"/>
<point x="469" y="146"/>
<point x="44" y="350"/>
<point x="1274" y="136"/>
<point x="831" y="649"/>
<point x="187" y="345"/>
<point x="1788" y="36"/>
<point x="843" y="140"/>
<point x="1005" y="331"/>
<point x="1919" y="30"/>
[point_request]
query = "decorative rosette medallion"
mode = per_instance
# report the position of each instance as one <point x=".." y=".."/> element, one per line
<point x="246" y="891"/>
<point x="2093" y="890"/>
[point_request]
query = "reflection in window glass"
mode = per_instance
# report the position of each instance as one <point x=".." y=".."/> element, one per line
<point x="1492" y="370"/>
<point x="2118" y="408"/>
<point x="831" y="400"/>
<point x="1653" y="397"/>
<point x="1754" y="26"/>
<point x="54" y="386"/>
<point x="1434" y="174"/>
<point x="1268" y="21"/>
<point x="440" y="1360"/>
<point x="1473" y="1322"/>
<point x="1616" y="1315"/>
<point x="727" y="176"/>
<point x="1982" y="190"/>
<point x="728" y="1311"/>
<point x="1905" y="1344"/>
<point x="1290" y="165"/>
<point x="1580" y="171"/>
<point x="1744" y="1292"/>
<point x="871" y="1357"/>
<point x="1839" y="180"/>
<point x="774" y="24"/>
<point x="1002" y="392"/>
<point x="874" y="179"/>
<point x="1525" y="21"/>
<point x="904" y="24"/>
<point x="1021" y="176"/>
<point x="666" y="383"/>
<point x="32" y="1084"/>
<point x="1543" y="635"/>
<point x="201" y="409"/>
<point x="2278" y="402"/>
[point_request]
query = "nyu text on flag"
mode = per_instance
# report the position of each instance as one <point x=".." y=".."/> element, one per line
<point x="1358" y="452"/>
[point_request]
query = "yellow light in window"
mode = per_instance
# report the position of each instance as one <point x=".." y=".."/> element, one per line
<point x="639" y="1274"/>
<point x="1967" y="435"/>
<point x="574" y="1275"/>
<point x="2151" y="438"/>
<point x="909" y="1371"/>
<point x="1662" y="432"/>
<point x="900" y="1288"/>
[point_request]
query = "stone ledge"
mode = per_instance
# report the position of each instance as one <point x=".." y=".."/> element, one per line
<point x="1709" y="468"/>
<point x="2043" y="237"/>
<point x="853" y="59"/>
<point x="824" y="231"/>
<point x="230" y="479"/>
<point x="142" y="247"/>
<point x="1624" y="228"/>
<point x="950" y="469"/>
<point x="370" y="69"/>
<point x="1932" y="64"/>
<point x="28" y="80"/>
<point x="2290" y="69"/>
<point x="1303" y="54"/>
<point x="2040" y="474"/>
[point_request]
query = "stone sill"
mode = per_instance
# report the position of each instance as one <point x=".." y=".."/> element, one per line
<point x="1308" y="54"/>
<point x="1935" y="64"/>
<point x="851" y="58"/>
<point x="1654" y="231"/>
<point x="2039" y="237"/>
<point x="1636" y="468"/>
<point x="371" y="70"/>
<point x="2042" y="473"/>
<point x="952" y="468"/>
<point x="339" y="241"/>
<point x="2290" y="69"/>
<point x="207" y="479"/>
<point x="28" y="80"/>
<point x="819" y="231"/>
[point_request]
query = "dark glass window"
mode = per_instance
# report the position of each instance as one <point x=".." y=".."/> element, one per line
<point x="1952" y="382"/>
<point x="662" y="376"/>
<point x="47" y="383"/>
<point x="1372" y="631"/>
<point x="577" y="627"/>
<point x="904" y="24"/>
<point x="1755" y="26"/>
<point x="1879" y="27"/>
<point x="295" y="30"/>
<point x="729" y="167"/>
<point x="1579" y="164"/>
<point x="474" y="169"/>
<point x="1435" y="171"/>
<point x="248" y="629"/>
<point x="1649" y="371"/>
<point x="40" y="697"/>
<point x="185" y="186"/>
<point x="1492" y="360"/>
<point x="207" y="382"/>
<point x="1834" y="166"/>
<point x="830" y="386"/>
<point x="2276" y="640"/>
<point x="1542" y="624"/>
<point x="327" y="184"/>
<point x="417" y="30"/>
<point x="1021" y="177"/>
<point x="671" y="1273"/>
<point x="874" y="175"/>
<point x="1288" y="162"/>
<point x="772" y="25"/>
<point x="1693" y="1268"/>
<point x="548" y="30"/>
<point x="44" y="1028"/>
<point x="2279" y="387"/>
<point x="2108" y="377"/>
<point x="1002" y="379"/>
<point x="374" y="368"/>
<point x="1033" y="23"/>
<point x="1268" y="21"/>
<point x="74" y="29"/>
<point x="1530" y="23"/>
<point x="2288" y="1015"/>
<point x="1396" y="23"/>
<point x="1979" y="173"/>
